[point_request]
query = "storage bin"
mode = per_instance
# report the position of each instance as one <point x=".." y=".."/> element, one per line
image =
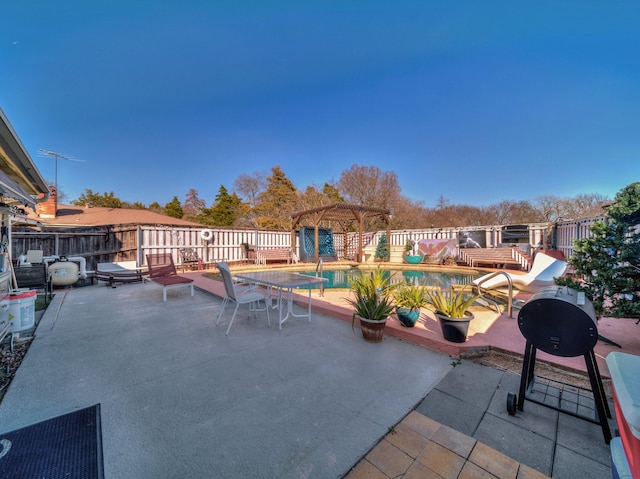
<point x="22" y="309"/>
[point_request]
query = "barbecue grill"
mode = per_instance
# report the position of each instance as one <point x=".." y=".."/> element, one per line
<point x="562" y="322"/>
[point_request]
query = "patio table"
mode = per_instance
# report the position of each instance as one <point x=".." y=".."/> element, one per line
<point x="284" y="282"/>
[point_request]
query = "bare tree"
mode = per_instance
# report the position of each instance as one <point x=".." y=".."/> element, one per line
<point x="456" y="216"/>
<point x="590" y="204"/>
<point x="251" y="186"/>
<point x="442" y="203"/>
<point x="312" y="197"/>
<point x="369" y="186"/>
<point x="549" y="207"/>
<point x="581" y="206"/>
<point x="192" y="204"/>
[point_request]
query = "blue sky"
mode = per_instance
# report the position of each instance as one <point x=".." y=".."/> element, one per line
<point x="476" y="101"/>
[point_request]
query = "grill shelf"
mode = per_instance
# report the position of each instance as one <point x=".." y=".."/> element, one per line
<point x="582" y="403"/>
<point x="571" y="399"/>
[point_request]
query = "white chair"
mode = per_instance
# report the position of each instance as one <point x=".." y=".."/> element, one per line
<point x="543" y="272"/>
<point x="239" y="294"/>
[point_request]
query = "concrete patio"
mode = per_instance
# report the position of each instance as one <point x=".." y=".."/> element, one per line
<point x="180" y="399"/>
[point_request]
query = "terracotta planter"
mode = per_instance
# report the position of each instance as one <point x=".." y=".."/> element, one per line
<point x="455" y="329"/>
<point x="408" y="317"/>
<point x="372" y="331"/>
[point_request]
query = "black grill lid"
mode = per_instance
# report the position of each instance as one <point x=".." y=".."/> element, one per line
<point x="559" y="321"/>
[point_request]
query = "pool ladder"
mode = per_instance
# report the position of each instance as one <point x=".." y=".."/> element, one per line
<point x="319" y="274"/>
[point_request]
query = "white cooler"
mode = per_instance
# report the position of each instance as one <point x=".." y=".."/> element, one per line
<point x="625" y="381"/>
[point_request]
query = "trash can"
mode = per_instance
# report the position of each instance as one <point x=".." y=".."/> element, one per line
<point x="22" y="309"/>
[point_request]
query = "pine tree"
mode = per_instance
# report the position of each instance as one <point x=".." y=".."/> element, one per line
<point x="277" y="203"/>
<point x="174" y="208"/>
<point x="225" y="211"/>
<point x="382" y="250"/>
<point x="106" y="200"/>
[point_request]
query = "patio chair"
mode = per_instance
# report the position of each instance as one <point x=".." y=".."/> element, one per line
<point x="543" y="272"/>
<point x="239" y="294"/>
<point x="162" y="270"/>
<point x="190" y="259"/>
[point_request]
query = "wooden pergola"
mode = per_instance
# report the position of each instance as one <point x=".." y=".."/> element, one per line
<point x="344" y="215"/>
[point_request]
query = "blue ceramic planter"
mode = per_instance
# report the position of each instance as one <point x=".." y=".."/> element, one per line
<point x="408" y="317"/>
<point x="413" y="259"/>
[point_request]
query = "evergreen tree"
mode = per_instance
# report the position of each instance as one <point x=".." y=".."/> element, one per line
<point x="332" y="192"/>
<point x="106" y="200"/>
<point x="156" y="208"/>
<point x="225" y="210"/>
<point x="277" y="203"/>
<point x="606" y="264"/>
<point x="174" y="208"/>
<point x="382" y="250"/>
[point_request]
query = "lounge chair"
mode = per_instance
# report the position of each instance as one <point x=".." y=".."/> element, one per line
<point x="239" y="294"/>
<point x="162" y="270"/>
<point x="543" y="272"/>
<point x="118" y="272"/>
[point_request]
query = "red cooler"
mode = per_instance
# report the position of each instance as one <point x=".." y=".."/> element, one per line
<point x="625" y="381"/>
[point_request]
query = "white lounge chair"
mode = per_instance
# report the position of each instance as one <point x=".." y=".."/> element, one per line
<point x="239" y="294"/>
<point x="543" y="272"/>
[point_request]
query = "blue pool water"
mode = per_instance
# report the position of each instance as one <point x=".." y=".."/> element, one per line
<point x="339" y="279"/>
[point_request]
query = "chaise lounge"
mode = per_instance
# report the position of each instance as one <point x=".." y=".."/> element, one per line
<point x="543" y="272"/>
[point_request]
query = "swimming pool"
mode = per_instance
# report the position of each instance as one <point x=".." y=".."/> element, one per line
<point x="339" y="278"/>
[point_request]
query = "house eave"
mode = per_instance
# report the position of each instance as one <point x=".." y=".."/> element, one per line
<point x="21" y="181"/>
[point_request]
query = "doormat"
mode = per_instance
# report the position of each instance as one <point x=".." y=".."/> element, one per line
<point x="67" y="446"/>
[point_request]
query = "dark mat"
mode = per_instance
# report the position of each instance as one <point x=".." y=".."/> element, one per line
<point x="64" y="447"/>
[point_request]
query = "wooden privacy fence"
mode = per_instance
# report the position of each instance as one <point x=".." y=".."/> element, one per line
<point x="96" y="245"/>
<point x="208" y="245"/>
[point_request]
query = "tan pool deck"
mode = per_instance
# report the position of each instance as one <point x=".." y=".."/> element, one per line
<point x="420" y="447"/>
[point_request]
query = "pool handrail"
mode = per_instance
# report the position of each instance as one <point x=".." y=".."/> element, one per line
<point x="320" y="268"/>
<point x="510" y="290"/>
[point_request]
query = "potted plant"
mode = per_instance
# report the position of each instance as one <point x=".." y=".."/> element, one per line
<point x="409" y="298"/>
<point x="409" y="253"/>
<point x="451" y="309"/>
<point x="373" y="303"/>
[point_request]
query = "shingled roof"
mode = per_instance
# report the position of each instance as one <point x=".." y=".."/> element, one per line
<point x="73" y="216"/>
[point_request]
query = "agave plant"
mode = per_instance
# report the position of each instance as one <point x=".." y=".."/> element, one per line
<point x="453" y="304"/>
<point x="372" y="295"/>
<point x="410" y="296"/>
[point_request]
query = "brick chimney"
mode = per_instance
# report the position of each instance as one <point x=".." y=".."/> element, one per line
<point x="49" y="208"/>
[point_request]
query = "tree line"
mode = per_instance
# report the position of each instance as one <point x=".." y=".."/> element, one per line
<point x="267" y="200"/>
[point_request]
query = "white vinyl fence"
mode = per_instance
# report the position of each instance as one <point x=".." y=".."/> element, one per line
<point x="215" y="244"/>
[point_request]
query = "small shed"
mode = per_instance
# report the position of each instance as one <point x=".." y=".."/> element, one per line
<point x="344" y="215"/>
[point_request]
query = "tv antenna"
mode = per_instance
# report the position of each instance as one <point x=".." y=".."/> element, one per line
<point x="56" y="156"/>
